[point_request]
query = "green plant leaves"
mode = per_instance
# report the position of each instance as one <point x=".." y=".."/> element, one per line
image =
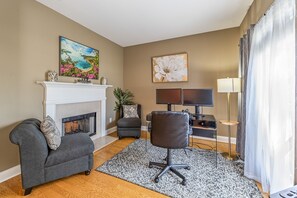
<point x="123" y="97"/>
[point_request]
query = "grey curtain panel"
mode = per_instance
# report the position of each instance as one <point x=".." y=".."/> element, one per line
<point x="245" y="45"/>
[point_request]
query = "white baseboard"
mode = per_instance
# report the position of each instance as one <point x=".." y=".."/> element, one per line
<point x="9" y="173"/>
<point x="223" y="139"/>
<point x="111" y="130"/>
<point x="144" y="128"/>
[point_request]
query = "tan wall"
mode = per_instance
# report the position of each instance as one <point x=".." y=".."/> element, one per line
<point x="29" y="38"/>
<point x="255" y="12"/>
<point x="211" y="56"/>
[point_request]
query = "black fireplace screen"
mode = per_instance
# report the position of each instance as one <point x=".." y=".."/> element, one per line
<point x="85" y="123"/>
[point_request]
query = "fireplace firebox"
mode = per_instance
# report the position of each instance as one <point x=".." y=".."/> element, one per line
<point x="85" y="123"/>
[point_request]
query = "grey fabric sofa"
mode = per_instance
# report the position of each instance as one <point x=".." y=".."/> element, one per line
<point x="39" y="164"/>
<point x="129" y="127"/>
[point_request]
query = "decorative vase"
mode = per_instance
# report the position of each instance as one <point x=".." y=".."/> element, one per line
<point x="103" y="81"/>
<point x="52" y="76"/>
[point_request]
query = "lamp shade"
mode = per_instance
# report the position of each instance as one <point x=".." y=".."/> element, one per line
<point x="228" y="85"/>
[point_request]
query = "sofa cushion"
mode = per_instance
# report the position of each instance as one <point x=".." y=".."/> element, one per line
<point x="129" y="122"/>
<point x="51" y="132"/>
<point x="72" y="146"/>
<point x="130" y="111"/>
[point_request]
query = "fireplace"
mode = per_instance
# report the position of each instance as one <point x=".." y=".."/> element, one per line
<point x="63" y="99"/>
<point x="85" y="123"/>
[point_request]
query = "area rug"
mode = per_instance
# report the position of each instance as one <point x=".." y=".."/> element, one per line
<point x="204" y="179"/>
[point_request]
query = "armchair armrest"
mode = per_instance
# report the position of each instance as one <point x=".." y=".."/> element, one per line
<point x="33" y="151"/>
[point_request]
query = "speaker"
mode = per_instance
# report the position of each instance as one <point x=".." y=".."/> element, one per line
<point x="206" y="123"/>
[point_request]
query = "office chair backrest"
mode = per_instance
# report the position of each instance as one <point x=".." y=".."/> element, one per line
<point x="170" y="129"/>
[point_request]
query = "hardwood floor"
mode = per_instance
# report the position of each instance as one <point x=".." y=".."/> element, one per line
<point x="96" y="184"/>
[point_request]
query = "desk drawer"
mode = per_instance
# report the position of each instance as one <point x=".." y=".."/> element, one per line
<point x="204" y="133"/>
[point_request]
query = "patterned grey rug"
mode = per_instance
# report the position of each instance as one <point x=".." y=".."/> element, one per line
<point x="203" y="180"/>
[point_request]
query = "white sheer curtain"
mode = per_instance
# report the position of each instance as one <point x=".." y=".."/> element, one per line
<point x="270" y="107"/>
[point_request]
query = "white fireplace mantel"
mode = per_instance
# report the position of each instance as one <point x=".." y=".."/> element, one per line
<point x="56" y="93"/>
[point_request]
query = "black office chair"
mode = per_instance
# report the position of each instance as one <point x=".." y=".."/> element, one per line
<point x="169" y="130"/>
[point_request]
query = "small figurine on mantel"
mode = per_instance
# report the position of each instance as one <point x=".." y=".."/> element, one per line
<point x="84" y="80"/>
<point x="103" y="81"/>
<point x="52" y="76"/>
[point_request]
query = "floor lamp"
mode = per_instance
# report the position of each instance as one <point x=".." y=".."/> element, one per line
<point x="229" y="85"/>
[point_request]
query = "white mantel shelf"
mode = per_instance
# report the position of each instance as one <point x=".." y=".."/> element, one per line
<point x="59" y="84"/>
<point x="71" y="84"/>
<point x="65" y="92"/>
<point x="57" y="93"/>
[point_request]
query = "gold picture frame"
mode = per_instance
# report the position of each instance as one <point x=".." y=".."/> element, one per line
<point x="170" y="68"/>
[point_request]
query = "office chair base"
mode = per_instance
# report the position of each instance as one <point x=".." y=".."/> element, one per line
<point x="169" y="166"/>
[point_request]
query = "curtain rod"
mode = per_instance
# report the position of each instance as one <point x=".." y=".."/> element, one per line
<point x="262" y="16"/>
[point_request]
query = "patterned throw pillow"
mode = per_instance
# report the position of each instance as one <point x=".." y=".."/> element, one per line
<point x="51" y="132"/>
<point x="130" y="111"/>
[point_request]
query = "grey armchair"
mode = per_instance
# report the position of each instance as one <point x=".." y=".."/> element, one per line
<point x="39" y="164"/>
<point x="129" y="127"/>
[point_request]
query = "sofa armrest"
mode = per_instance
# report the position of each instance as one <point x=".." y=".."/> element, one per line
<point x="33" y="151"/>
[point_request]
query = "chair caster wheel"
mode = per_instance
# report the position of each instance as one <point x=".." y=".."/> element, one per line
<point x="188" y="168"/>
<point x="87" y="172"/>
<point x="150" y="166"/>
<point x="156" y="180"/>
<point x="183" y="182"/>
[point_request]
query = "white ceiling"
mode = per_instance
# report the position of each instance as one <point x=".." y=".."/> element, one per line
<point x="133" y="22"/>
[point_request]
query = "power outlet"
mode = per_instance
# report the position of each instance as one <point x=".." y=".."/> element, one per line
<point x="110" y="120"/>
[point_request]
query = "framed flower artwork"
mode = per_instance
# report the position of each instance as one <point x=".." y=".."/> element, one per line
<point x="170" y="68"/>
<point x="78" y="60"/>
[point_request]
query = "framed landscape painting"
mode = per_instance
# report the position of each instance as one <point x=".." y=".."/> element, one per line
<point x="170" y="68"/>
<point x="78" y="60"/>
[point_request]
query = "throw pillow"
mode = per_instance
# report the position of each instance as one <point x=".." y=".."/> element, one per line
<point x="51" y="132"/>
<point x="130" y="111"/>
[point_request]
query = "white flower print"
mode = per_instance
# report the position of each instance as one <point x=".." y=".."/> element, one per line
<point x="170" y="68"/>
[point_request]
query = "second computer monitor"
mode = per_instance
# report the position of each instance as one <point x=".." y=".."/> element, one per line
<point x="197" y="98"/>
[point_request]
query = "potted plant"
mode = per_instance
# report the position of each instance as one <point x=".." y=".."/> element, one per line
<point x="123" y="98"/>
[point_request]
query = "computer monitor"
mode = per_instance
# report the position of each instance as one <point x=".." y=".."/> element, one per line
<point x="197" y="98"/>
<point x="169" y="97"/>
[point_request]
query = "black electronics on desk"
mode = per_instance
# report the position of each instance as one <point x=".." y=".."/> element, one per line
<point x="191" y="97"/>
<point x="186" y="97"/>
<point x="207" y="121"/>
<point x="204" y="126"/>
